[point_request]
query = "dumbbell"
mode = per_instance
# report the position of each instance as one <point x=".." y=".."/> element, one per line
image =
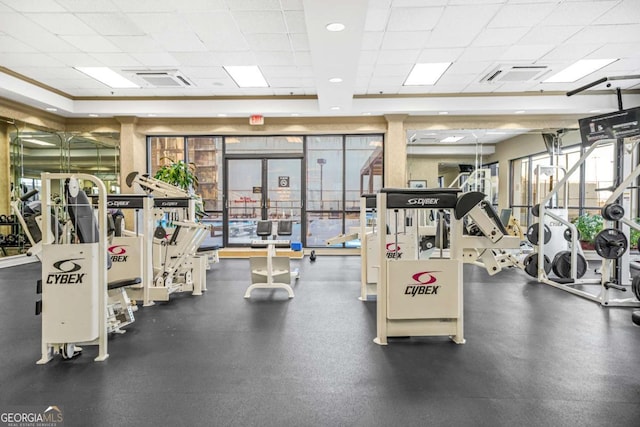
<point x="11" y="240"/>
<point x="12" y="218"/>
<point x="1" y="239"/>
<point x="3" y="219"/>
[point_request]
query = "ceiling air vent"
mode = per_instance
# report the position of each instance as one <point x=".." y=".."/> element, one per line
<point x="160" y="78"/>
<point x="515" y="73"/>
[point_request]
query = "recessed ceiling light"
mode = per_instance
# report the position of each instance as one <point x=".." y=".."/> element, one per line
<point x="151" y="115"/>
<point x="39" y="142"/>
<point x="294" y="114"/>
<point x="594" y="111"/>
<point x="426" y="74"/>
<point x="335" y="107"/>
<point x="108" y="77"/>
<point x="519" y="112"/>
<point x="578" y="70"/>
<point x="222" y="115"/>
<point x="443" y="113"/>
<point x="335" y="80"/>
<point x="452" y="139"/>
<point x="246" y="75"/>
<point x="366" y="114"/>
<point x="51" y="109"/>
<point x="335" y="26"/>
<point x="93" y="115"/>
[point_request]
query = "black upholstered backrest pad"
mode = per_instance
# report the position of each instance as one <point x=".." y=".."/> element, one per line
<point x="82" y="217"/>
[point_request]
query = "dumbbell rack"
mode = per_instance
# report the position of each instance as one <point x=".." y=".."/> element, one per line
<point x="14" y="239"/>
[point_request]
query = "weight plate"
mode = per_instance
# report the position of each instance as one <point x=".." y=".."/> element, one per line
<point x="611" y="243"/>
<point x="532" y="233"/>
<point x="635" y="286"/>
<point x="535" y="211"/>
<point x="531" y="264"/>
<point x="612" y="212"/>
<point x="567" y="234"/>
<point x="561" y="265"/>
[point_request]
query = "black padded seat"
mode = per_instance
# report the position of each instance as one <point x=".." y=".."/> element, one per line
<point x="124" y="282"/>
<point x="285" y="227"/>
<point x="263" y="228"/>
<point x="208" y="248"/>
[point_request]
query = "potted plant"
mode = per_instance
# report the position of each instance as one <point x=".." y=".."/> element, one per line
<point x="178" y="173"/>
<point x="588" y="227"/>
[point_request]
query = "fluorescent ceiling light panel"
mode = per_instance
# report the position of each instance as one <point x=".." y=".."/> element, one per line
<point x="578" y="70"/>
<point x="246" y="75"/>
<point x="452" y="139"/>
<point x="108" y="77"/>
<point x="426" y="74"/>
<point x="335" y="26"/>
<point x="39" y="142"/>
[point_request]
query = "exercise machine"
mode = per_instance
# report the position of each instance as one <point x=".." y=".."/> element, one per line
<point x="424" y="297"/>
<point x="78" y="306"/>
<point x="272" y="271"/>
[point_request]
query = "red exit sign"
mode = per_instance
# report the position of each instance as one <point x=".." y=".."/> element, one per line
<point x="256" y="119"/>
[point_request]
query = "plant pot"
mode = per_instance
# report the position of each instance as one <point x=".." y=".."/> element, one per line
<point x="587" y="246"/>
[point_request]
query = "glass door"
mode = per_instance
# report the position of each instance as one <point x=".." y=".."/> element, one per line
<point x="260" y="189"/>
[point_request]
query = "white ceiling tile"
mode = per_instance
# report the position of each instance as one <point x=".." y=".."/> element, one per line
<point x="290" y="71"/>
<point x="622" y="66"/>
<point x="480" y="53"/>
<point x="376" y="19"/>
<point x="215" y="72"/>
<point x="456" y="79"/>
<point x="89" y="43"/>
<point x="303" y="58"/>
<point x="13" y="59"/>
<point x="77" y="59"/>
<point x="607" y="34"/>
<point x="392" y="70"/>
<point x="61" y="24"/>
<point x="158" y="22"/>
<point x="275" y="58"/>
<point x="368" y="57"/>
<point x="251" y="22"/>
<point x="226" y="42"/>
<point x="295" y="21"/>
<point x="365" y="70"/>
<point x="111" y="24"/>
<point x="516" y="86"/>
<point x="521" y="15"/>
<point x="387" y="82"/>
<point x="414" y="18"/>
<point x="9" y="44"/>
<point x="549" y="34"/>
<point x="616" y="50"/>
<point x="78" y="6"/>
<point x="530" y="52"/>
<point x="116" y="59"/>
<point x="407" y="56"/>
<point x="419" y="3"/>
<point x="197" y="59"/>
<point x="460" y="25"/>
<point x="4" y="8"/>
<point x="372" y="40"/>
<point x="299" y="42"/>
<point x="380" y="4"/>
<point x="210" y="23"/>
<point x="168" y="5"/>
<point x="500" y="36"/>
<point x="237" y="58"/>
<point x="405" y="40"/>
<point x="439" y="55"/>
<point x="626" y="12"/>
<point x="578" y="13"/>
<point x="292" y="4"/>
<point x="268" y="42"/>
<point x="253" y="4"/>
<point x="464" y="67"/>
<point x="289" y="82"/>
<point x="180" y="41"/>
<point x="159" y="59"/>
<point x="34" y="5"/>
<point x="52" y="72"/>
<point x="135" y="43"/>
<point x="569" y="52"/>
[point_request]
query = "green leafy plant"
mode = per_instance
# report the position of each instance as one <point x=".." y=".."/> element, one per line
<point x="634" y="235"/>
<point x="588" y="226"/>
<point x="178" y="173"/>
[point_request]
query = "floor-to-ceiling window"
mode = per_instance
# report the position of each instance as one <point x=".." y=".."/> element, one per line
<point x="314" y="180"/>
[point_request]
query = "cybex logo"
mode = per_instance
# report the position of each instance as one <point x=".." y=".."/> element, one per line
<point x="117" y="203"/>
<point x="424" y="285"/>
<point x="67" y="275"/>
<point x="393" y="251"/>
<point x="424" y="201"/>
<point x="118" y="253"/>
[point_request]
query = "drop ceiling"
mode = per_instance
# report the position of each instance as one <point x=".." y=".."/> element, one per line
<point x="41" y="41"/>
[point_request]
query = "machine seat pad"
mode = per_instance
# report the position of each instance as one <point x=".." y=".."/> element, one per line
<point x="208" y="248"/>
<point x="124" y="282"/>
